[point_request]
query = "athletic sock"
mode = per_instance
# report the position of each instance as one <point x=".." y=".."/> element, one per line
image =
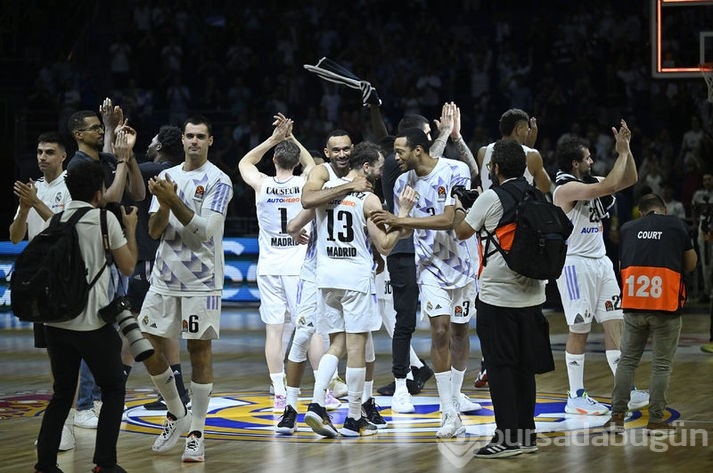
<point x="613" y="359"/>
<point x="327" y="369"/>
<point x="166" y="385"/>
<point x="443" y="383"/>
<point x="199" y="405"/>
<point x="278" y="383"/>
<point x="292" y="396"/>
<point x="456" y="383"/>
<point x="575" y="372"/>
<point x="355" y="389"/>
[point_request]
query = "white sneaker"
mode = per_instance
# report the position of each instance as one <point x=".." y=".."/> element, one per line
<point x="67" y="441"/>
<point x="451" y="426"/>
<point x="465" y="404"/>
<point x="86" y="419"/>
<point x="331" y="402"/>
<point x="584" y="405"/>
<point x="401" y="403"/>
<point x="172" y="429"/>
<point x="194" y="451"/>
<point x="338" y="387"/>
<point x="638" y="400"/>
<point x="279" y="404"/>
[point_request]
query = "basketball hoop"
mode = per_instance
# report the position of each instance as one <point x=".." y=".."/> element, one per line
<point x="707" y="73"/>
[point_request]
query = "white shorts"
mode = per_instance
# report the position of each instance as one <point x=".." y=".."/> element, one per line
<point x="306" y="303"/>
<point x="278" y="298"/>
<point x="589" y="290"/>
<point x="344" y="310"/>
<point x="458" y="303"/>
<point x="191" y="317"/>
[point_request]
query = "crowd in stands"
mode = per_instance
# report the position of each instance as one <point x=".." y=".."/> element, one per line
<point x="577" y="66"/>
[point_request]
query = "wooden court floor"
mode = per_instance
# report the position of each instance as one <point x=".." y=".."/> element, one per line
<point x="245" y="443"/>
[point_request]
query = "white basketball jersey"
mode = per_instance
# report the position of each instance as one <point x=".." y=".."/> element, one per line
<point x="344" y="259"/>
<point x="277" y="203"/>
<point x="54" y="195"/>
<point x="185" y="264"/>
<point x="485" y="181"/>
<point x="587" y="238"/>
<point x="441" y="258"/>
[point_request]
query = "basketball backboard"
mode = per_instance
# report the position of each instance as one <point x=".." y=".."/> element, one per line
<point x="681" y="37"/>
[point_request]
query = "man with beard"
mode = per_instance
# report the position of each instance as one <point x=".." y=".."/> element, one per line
<point x="345" y="236"/>
<point x="588" y="285"/>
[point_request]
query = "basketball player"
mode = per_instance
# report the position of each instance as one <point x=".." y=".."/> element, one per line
<point x="281" y="256"/>
<point x="588" y="285"/>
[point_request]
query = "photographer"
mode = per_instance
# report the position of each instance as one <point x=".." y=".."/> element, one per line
<point x="88" y="336"/>
<point x="702" y="205"/>
<point x="509" y="308"/>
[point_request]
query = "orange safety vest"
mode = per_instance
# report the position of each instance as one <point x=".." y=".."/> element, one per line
<point x="652" y="288"/>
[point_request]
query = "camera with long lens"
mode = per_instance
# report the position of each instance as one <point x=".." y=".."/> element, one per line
<point x="119" y="311"/>
<point x="466" y="196"/>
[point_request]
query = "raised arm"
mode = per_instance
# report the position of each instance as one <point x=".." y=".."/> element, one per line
<point x="531" y="138"/>
<point x="306" y="159"/>
<point x="112" y="119"/>
<point x="536" y="167"/>
<point x="128" y="175"/>
<point x="445" y="127"/>
<point x="247" y="167"/>
<point x="622" y="175"/>
<point x="464" y="152"/>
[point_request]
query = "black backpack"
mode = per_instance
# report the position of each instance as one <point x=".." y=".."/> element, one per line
<point x="49" y="280"/>
<point x="538" y="245"/>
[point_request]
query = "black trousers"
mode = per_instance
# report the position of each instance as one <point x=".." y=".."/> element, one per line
<point x="515" y="344"/>
<point x="402" y="271"/>
<point x="101" y="349"/>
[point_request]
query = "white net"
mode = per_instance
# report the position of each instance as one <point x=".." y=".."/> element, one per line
<point x="707" y="73"/>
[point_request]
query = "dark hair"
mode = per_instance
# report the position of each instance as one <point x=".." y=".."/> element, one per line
<point x="84" y="180"/>
<point x="52" y="137"/>
<point x="198" y="120"/>
<point x="570" y="149"/>
<point x="171" y="143"/>
<point x="76" y="120"/>
<point x="364" y="152"/>
<point x="287" y="154"/>
<point x="651" y="202"/>
<point x="412" y="120"/>
<point x="510" y="158"/>
<point x="337" y="132"/>
<point x="387" y="144"/>
<point x="415" y="137"/>
<point x="510" y="119"/>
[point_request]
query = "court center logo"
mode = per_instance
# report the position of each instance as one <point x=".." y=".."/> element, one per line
<point x="249" y="416"/>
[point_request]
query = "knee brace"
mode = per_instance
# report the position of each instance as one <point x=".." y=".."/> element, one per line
<point x="300" y="344"/>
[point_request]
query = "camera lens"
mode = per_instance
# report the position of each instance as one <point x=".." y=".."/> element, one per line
<point x="138" y="345"/>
